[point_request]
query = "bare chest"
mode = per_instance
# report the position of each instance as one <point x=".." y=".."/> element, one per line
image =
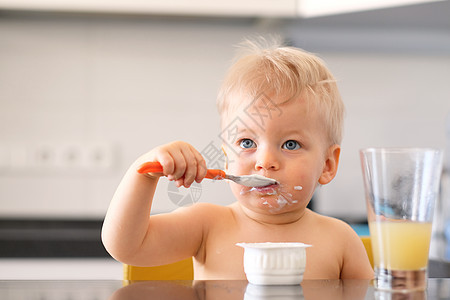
<point x="224" y="260"/>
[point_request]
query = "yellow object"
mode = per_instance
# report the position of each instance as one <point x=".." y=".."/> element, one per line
<point x="368" y="245"/>
<point x="405" y="245"/>
<point x="181" y="270"/>
<point x="184" y="270"/>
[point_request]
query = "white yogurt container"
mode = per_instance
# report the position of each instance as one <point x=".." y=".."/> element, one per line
<point x="274" y="263"/>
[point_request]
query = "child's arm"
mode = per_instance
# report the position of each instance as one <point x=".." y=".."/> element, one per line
<point x="129" y="233"/>
<point x="356" y="262"/>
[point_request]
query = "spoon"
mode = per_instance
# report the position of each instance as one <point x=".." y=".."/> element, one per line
<point x="253" y="180"/>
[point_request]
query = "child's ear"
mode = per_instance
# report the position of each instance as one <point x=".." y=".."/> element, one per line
<point x="331" y="164"/>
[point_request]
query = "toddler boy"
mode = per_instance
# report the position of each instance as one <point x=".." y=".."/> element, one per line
<point x="286" y="113"/>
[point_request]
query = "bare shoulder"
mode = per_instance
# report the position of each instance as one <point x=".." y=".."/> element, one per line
<point x="332" y="224"/>
<point x="335" y="233"/>
<point x="207" y="210"/>
<point x="346" y="244"/>
<point x="206" y="213"/>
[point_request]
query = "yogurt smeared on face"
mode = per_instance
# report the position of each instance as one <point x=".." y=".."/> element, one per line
<point x="275" y="197"/>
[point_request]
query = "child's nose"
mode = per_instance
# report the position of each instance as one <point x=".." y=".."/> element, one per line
<point x="267" y="160"/>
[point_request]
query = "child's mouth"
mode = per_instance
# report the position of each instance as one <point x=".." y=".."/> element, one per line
<point x="267" y="190"/>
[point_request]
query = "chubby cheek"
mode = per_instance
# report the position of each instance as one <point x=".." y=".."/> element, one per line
<point x="305" y="175"/>
<point x="298" y="181"/>
<point x="238" y="166"/>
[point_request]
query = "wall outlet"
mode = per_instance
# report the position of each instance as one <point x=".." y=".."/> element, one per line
<point x="99" y="156"/>
<point x="70" y="156"/>
<point x="78" y="157"/>
<point x="43" y="156"/>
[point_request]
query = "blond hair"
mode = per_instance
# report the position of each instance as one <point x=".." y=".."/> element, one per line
<point x="285" y="72"/>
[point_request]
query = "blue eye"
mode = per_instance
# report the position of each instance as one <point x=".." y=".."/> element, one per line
<point x="291" y="145"/>
<point x="247" y="143"/>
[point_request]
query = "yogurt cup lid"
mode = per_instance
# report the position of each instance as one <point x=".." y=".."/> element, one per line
<point x="271" y="245"/>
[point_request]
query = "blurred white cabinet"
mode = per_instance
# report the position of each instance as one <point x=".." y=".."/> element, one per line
<point x="244" y="8"/>
<point x="316" y="8"/>
<point x="230" y="8"/>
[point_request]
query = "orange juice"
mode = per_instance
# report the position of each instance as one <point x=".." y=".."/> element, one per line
<point x="400" y="245"/>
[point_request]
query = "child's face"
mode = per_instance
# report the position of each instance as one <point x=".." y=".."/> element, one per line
<point x="286" y="142"/>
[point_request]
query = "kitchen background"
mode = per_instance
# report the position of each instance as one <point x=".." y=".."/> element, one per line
<point x="82" y="94"/>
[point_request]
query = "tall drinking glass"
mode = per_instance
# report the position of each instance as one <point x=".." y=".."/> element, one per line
<point x="401" y="186"/>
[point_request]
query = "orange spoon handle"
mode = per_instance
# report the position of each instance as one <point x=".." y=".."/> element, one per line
<point x="215" y="174"/>
<point x="150" y="167"/>
<point x="156" y="167"/>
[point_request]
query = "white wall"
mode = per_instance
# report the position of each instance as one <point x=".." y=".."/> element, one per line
<point x="392" y="100"/>
<point x="124" y="84"/>
<point x="114" y="87"/>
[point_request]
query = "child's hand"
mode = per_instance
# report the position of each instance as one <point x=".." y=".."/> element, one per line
<point x="181" y="163"/>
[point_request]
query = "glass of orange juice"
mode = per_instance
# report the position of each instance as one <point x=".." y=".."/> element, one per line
<point x="401" y="185"/>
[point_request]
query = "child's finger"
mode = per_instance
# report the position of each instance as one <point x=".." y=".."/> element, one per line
<point x="171" y="157"/>
<point x="167" y="162"/>
<point x="179" y="166"/>
<point x="179" y="182"/>
<point x="191" y="166"/>
<point x="201" y="166"/>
